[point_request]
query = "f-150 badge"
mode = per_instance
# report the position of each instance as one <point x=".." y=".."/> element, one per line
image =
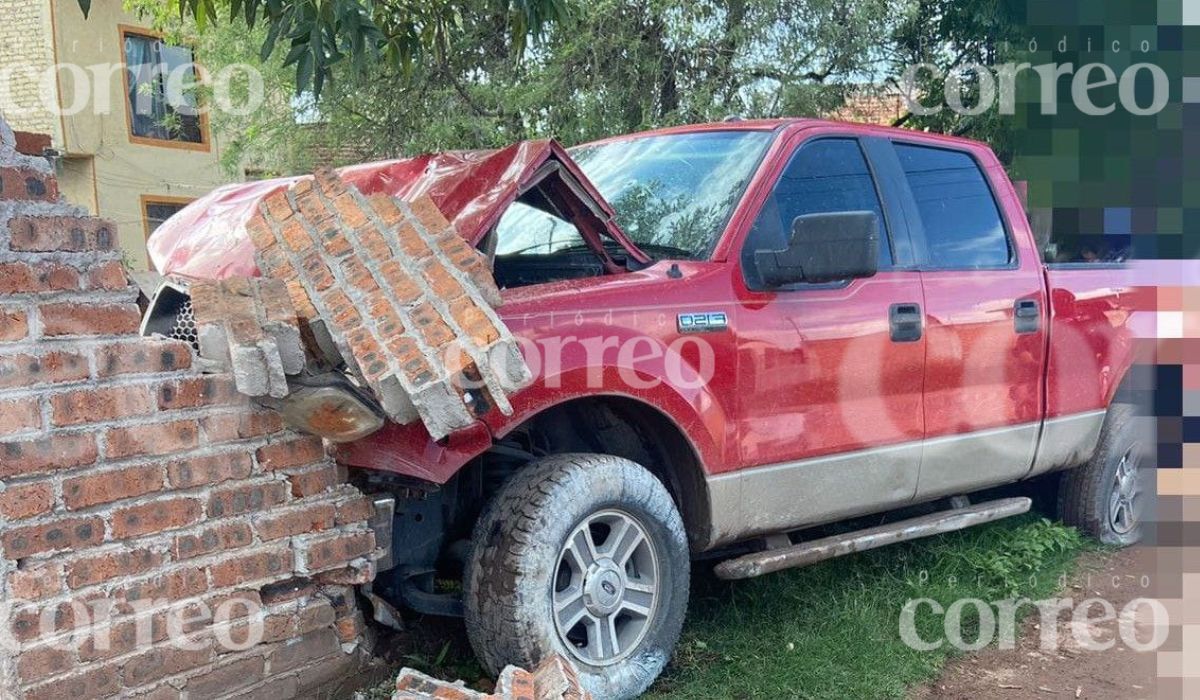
<point x="703" y="322"/>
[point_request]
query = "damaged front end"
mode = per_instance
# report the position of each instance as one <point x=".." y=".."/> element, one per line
<point x="319" y="399"/>
<point x="367" y="294"/>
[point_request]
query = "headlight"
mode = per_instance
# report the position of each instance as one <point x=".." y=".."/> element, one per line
<point x="330" y="407"/>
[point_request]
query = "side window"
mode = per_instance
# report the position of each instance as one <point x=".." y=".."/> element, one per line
<point x="962" y="223"/>
<point x="823" y="177"/>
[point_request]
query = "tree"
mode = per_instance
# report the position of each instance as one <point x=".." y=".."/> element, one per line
<point x="322" y="34"/>
<point x="956" y="37"/>
<point x="606" y="67"/>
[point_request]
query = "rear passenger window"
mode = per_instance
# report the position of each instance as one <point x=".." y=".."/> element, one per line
<point x="823" y="177"/>
<point x="962" y="223"/>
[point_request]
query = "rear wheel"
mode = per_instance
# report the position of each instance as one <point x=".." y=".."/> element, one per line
<point x="586" y="556"/>
<point x="1107" y="497"/>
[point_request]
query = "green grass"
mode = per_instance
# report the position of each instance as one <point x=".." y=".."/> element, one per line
<point x="832" y="630"/>
<point x="826" y="631"/>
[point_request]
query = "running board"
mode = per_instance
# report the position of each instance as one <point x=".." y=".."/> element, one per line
<point x="805" y="553"/>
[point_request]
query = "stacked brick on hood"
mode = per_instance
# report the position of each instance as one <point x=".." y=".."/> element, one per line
<point x="406" y="303"/>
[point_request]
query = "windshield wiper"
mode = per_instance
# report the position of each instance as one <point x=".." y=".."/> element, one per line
<point x="667" y="250"/>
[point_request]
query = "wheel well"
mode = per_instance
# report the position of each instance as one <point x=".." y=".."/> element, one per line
<point x="1137" y="388"/>
<point x="628" y="428"/>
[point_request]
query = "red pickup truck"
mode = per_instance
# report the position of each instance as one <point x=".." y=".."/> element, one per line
<point x="785" y="324"/>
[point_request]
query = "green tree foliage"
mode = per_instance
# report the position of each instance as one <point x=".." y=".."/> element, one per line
<point x="956" y="37"/>
<point x="604" y="67"/>
<point x="323" y="35"/>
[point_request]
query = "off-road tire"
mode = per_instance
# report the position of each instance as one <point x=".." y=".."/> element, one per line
<point x="1085" y="491"/>
<point x="515" y="554"/>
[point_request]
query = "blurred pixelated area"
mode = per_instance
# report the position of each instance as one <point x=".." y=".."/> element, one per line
<point x="1126" y="187"/>
<point x="1119" y="185"/>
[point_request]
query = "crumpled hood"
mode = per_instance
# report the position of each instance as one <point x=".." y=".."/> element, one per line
<point x="208" y="239"/>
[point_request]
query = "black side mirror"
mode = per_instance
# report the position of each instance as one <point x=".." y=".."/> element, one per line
<point x="824" y="248"/>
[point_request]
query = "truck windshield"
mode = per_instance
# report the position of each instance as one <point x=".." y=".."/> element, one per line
<point x="673" y="194"/>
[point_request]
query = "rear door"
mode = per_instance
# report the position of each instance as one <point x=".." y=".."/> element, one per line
<point x="985" y="312"/>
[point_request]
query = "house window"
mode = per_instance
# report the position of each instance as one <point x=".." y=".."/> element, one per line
<point x="155" y="211"/>
<point x="160" y="81"/>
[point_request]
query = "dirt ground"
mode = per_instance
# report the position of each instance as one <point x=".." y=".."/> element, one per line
<point x="1067" y="670"/>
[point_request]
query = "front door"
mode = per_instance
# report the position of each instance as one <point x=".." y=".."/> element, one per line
<point x="831" y="396"/>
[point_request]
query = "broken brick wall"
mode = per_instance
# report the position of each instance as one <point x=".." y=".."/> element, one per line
<point x="135" y="491"/>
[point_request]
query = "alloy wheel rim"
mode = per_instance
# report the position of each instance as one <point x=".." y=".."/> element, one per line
<point x="606" y="588"/>
<point x="1125" y="496"/>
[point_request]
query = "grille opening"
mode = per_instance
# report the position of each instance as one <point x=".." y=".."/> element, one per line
<point x="170" y="314"/>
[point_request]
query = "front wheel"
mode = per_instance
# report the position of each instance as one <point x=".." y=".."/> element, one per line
<point x="583" y="555"/>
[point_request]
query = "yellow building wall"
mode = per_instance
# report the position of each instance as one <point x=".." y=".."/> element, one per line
<point x="122" y="174"/>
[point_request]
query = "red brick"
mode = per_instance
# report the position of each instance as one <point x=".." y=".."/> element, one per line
<point x="163" y="661"/>
<point x="68" y="533"/>
<point x="402" y="286"/>
<point x="252" y="567"/>
<point x="155" y="517"/>
<point x="312" y="481"/>
<point x="174" y="586"/>
<point x="443" y="284"/>
<point x="303" y="651"/>
<point x="291" y="453"/>
<point x="194" y="392"/>
<point x="23" y="278"/>
<point x="228" y="427"/>
<point x="49" y="368"/>
<point x="212" y="539"/>
<point x="31" y="623"/>
<point x="246" y="498"/>
<point x="36" y="583"/>
<point x="317" y="518"/>
<point x="317" y="614"/>
<point x="476" y="324"/>
<point x="208" y="470"/>
<point x="26" y="501"/>
<point x="152" y="439"/>
<point x="317" y="272"/>
<point x="350" y="628"/>
<point x="90" y="570"/>
<point x="17" y="184"/>
<point x="299" y="297"/>
<point x="84" y="684"/>
<point x="46" y="454"/>
<point x="332" y="552"/>
<point x="36" y="664"/>
<point x="107" y="276"/>
<point x="143" y="356"/>
<point x="122" y="638"/>
<point x="90" y="319"/>
<point x="222" y="680"/>
<point x="351" y="214"/>
<point x="98" y="405"/>
<point x="18" y="415"/>
<point x="430" y="323"/>
<point x="277" y="205"/>
<point x="355" y="510"/>
<point x="14" y="325"/>
<point x="90" y="490"/>
<point x="296" y="236"/>
<point x="31" y="144"/>
<point x="65" y="233"/>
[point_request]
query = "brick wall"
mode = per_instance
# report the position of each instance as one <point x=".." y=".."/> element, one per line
<point x="25" y="49"/>
<point x="137" y="495"/>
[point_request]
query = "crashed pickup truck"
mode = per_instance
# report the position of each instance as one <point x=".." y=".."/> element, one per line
<point x="735" y="333"/>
